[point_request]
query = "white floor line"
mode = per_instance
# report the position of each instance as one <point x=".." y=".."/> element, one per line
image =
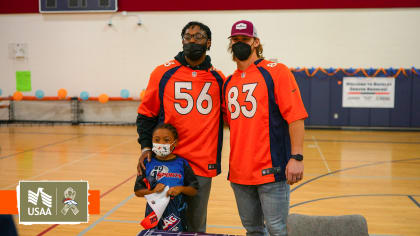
<point x="106" y="215"/>
<point x="69" y="163"/>
<point x="321" y="154"/>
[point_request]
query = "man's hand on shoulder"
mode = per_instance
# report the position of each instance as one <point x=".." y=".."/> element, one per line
<point x="145" y="153"/>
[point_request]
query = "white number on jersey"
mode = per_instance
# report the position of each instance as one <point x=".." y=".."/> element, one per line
<point x="233" y="101"/>
<point x="169" y="63"/>
<point x="204" y="96"/>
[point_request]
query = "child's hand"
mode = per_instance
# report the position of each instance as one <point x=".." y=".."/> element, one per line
<point x="174" y="191"/>
<point x="159" y="188"/>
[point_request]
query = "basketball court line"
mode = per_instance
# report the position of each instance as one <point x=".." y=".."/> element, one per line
<point x="70" y="163"/>
<point x="86" y="152"/>
<point x="122" y="221"/>
<point x="43" y="146"/>
<point x="414" y="200"/>
<point x="103" y="218"/>
<point x="376" y="177"/>
<point x="321" y="154"/>
<point x="351" y="168"/>
<point x="294" y="205"/>
<point x="87" y="134"/>
<point x="101" y="196"/>
<point x="116" y="186"/>
<point x="364" y="141"/>
<point x="106" y="215"/>
<point x="133" y="135"/>
<point x="355" y="195"/>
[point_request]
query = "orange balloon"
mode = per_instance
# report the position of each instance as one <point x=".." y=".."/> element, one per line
<point x="62" y="93"/>
<point x="103" y="98"/>
<point x="339" y="82"/>
<point x="143" y="92"/>
<point x="17" y="96"/>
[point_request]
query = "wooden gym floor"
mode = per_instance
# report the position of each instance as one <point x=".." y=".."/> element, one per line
<point x="372" y="173"/>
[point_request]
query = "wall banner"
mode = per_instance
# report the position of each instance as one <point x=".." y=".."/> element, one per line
<point x="369" y="92"/>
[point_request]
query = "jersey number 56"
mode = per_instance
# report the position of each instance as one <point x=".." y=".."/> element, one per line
<point x="203" y="96"/>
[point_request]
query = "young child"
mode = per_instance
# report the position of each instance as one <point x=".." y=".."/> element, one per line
<point x="167" y="169"/>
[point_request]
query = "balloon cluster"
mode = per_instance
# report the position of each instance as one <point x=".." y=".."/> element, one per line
<point x="62" y="94"/>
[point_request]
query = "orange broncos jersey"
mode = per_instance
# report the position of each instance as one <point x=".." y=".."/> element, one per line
<point x="260" y="103"/>
<point x="190" y="100"/>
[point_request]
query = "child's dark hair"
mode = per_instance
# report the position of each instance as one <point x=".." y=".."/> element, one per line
<point x="168" y="127"/>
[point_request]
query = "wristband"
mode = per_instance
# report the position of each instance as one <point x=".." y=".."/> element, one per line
<point x="298" y="157"/>
<point x="145" y="149"/>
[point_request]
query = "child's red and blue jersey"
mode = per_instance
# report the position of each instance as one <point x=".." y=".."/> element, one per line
<point x="175" y="172"/>
<point x="260" y="103"/>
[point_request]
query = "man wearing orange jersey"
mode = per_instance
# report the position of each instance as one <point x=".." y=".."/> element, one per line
<point x="186" y="92"/>
<point x="266" y="116"/>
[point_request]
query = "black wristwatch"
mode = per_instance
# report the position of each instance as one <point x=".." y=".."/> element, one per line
<point x="297" y="157"/>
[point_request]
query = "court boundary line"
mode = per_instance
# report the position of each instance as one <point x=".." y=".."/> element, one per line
<point x="69" y="163"/>
<point x="101" y="196"/>
<point x="40" y="147"/>
<point x="87" y="134"/>
<point x="353" y="195"/>
<point x="319" y="140"/>
<point x="363" y="141"/>
<point x="350" y="168"/>
<point x="414" y="200"/>
<point x="120" y="204"/>
<point x="321" y="154"/>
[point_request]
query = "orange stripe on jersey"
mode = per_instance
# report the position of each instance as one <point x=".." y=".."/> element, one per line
<point x="258" y="117"/>
<point x="190" y="100"/>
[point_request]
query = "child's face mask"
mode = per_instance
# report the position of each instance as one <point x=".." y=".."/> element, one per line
<point x="162" y="150"/>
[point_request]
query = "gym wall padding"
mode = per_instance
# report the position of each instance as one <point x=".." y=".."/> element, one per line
<point x="322" y="96"/>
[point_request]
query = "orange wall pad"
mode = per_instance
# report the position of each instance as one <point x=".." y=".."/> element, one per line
<point x="8" y="202"/>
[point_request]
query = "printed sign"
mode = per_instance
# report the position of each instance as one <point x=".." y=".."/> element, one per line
<point x="369" y="92"/>
<point x="47" y="202"/>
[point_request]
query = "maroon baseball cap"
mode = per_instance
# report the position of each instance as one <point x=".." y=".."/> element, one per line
<point x="243" y="27"/>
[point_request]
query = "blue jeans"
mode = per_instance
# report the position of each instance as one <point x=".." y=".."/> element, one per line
<point x="266" y="202"/>
<point x="197" y="206"/>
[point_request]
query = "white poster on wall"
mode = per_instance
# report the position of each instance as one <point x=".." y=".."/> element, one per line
<point x="369" y="92"/>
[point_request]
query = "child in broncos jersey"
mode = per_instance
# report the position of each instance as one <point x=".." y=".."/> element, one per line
<point x="167" y="169"/>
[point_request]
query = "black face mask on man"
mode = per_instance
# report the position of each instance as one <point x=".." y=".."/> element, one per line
<point x="241" y="50"/>
<point x="194" y="51"/>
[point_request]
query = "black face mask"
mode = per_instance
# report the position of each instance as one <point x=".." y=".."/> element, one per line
<point x="194" y="51"/>
<point x="241" y="50"/>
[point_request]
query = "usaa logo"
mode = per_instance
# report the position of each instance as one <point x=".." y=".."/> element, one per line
<point x="170" y="223"/>
<point x="33" y="199"/>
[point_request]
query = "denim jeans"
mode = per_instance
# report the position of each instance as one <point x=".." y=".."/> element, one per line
<point x="267" y="203"/>
<point x="197" y="206"/>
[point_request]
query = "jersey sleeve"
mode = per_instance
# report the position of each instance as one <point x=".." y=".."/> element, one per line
<point x="145" y="126"/>
<point x="150" y="104"/>
<point x="149" y="107"/>
<point x="287" y="94"/>
<point x="189" y="177"/>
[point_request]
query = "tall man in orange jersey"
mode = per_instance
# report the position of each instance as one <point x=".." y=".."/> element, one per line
<point x="266" y="118"/>
<point x="186" y="92"/>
